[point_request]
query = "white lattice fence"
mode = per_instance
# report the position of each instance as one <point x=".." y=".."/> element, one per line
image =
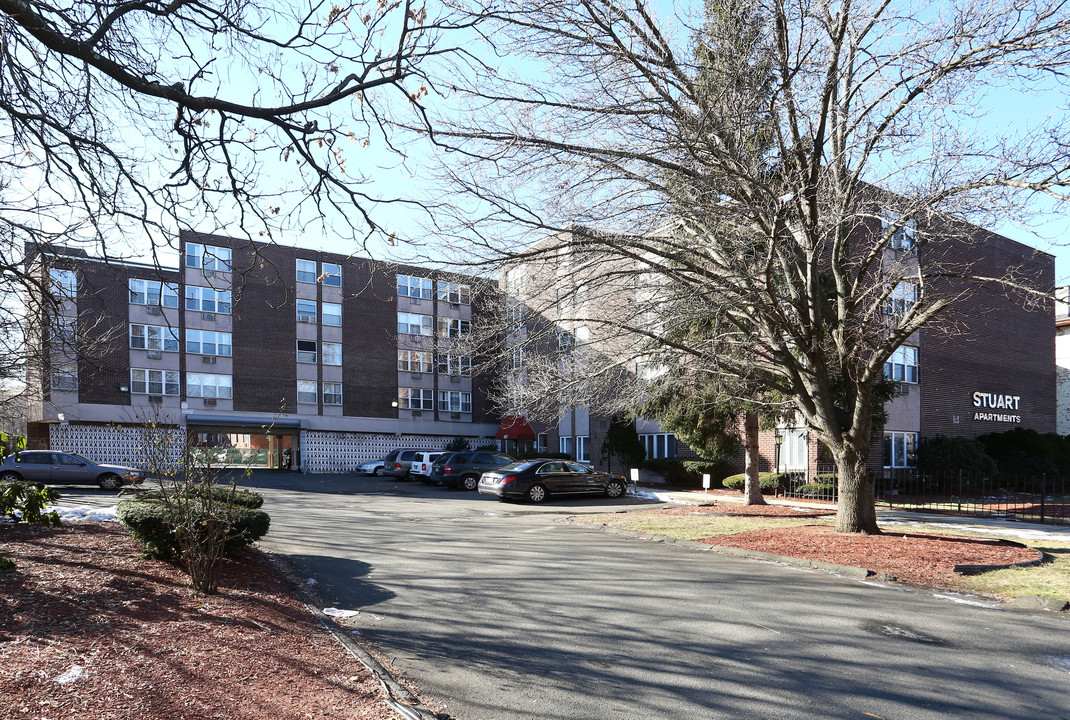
<point x="337" y="452"/>
<point x="115" y="444"/>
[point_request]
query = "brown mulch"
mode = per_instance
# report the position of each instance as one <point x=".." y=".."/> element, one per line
<point x="151" y="648"/>
<point x="912" y="558"/>
<point x="744" y="510"/>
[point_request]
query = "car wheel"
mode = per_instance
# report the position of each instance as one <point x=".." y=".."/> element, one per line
<point x="10" y="477"/>
<point x="110" y="481"/>
<point x="470" y="482"/>
<point x="537" y="493"/>
<point x="378" y="471"/>
<point x="615" y="489"/>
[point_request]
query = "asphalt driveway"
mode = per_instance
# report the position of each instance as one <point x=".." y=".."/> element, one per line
<point x="500" y="610"/>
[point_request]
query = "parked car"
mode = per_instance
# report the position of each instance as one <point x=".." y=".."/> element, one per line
<point x="422" y="462"/>
<point x="462" y="469"/>
<point x="375" y="467"/>
<point x="400" y="468"/>
<point x="58" y="468"/>
<point x="536" y="480"/>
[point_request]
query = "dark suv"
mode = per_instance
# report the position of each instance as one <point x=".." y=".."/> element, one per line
<point x="462" y="469"/>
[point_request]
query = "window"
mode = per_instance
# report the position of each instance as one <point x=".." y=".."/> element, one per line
<point x="332" y="353"/>
<point x="901" y="299"/>
<point x="900" y="449"/>
<point x="306" y="351"/>
<point x="516" y="358"/>
<point x="332" y="314"/>
<point x="903" y="236"/>
<point x="208" y="257"/>
<point x="209" y="385"/>
<point x="659" y="445"/>
<point x="565" y="342"/>
<point x="452" y="327"/>
<point x="332" y="393"/>
<point x="564" y="445"/>
<point x="63" y="329"/>
<point x="453" y="401"/>
<point x="414" y="324"/>
<point x="153" y="382"/>
<point x="582" y="454"/>
<point x="306" y="271"/>
<point x="454" y="365"/>
<point x="64" y="376"/>
<point x="414" y="361"/>
<point x="542" y="442"/>
<point x="307" y="392"/>
<point x="454" y="293"/>
<point x="153" y="337"/>
<point x="902" y="366"/>
<point x="207" y="300"/>
<point x="208" y="342"/>
<point x="332" y="275"/>
<point x="306" y="311"/>
<point x="153" y="293"/>
<point x="414" y="287"/>
<point x="416" y="398"/>
<point x="64" y="284"/>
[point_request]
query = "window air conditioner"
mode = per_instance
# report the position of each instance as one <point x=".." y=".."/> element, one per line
<point x="304" y="318"/>
<point x="209" y="402"/>
<point x="454" y="379"/>
<point x="209" y="273"/>
<point x="155" y="355"/>
<point x="156" y="399"/>
<point x="417" y="413"/>
<point x="455" y="416"/>
<point x="153" y="310"/>
<point x="207" y="316"/>
<point x="209" y="359"/>
<point x="415" y="375"/>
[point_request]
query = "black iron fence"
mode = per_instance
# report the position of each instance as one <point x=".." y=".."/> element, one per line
<point x="1040" y="499"/>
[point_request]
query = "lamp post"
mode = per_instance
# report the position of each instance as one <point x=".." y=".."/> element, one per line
<point x="778" y="439"/>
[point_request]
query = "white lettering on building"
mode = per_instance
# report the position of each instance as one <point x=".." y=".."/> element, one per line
<point x="995" y="402"/>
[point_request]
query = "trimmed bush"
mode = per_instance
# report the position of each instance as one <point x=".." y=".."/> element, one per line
<point x="219" y="493"/>
<point x="769" y="481"/>
<point x="816" y="490"/>
<point x="942" y="454"/>
<point x="150" y="522"/>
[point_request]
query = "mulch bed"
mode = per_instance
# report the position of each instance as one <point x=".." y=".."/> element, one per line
<point x="90" y="631"/>
<point x="744" y="510"/>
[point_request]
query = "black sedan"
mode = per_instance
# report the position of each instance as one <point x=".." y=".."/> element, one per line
<point x="536" y="480"/>
<point x="57" y="468"/>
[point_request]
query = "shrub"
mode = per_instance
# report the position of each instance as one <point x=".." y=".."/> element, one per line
<point x="1025" y="452"/>
<point x="151" y="523"/>
<point x="674" y="471"/>
<point x="7" y="564"/>
<point x="816" y="489"/>
<point x="769" y="481"/>
<point x="942" y="454"/>
<point x="219" y="493"/>
<point x="458" y="444"/>
<point x="26" y="501"/>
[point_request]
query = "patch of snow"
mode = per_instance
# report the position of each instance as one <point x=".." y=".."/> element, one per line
<point x="964" y="601"/>
<point x="1059" y="662"/>
<point x="76" y="672"/>
<point x="335" y="612"/>
<point x="310" y="581"/>
<point x="1010" y="531"/>
<point x="84" y="513"/>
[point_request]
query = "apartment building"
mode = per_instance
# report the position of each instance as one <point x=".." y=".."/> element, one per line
<point x="988" y="366"/>
<point x="279" y="355"/>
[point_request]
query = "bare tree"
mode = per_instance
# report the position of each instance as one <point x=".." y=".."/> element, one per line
<point x="802" y="184"/>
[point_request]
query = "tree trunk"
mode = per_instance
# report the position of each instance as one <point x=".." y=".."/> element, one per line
<point x="752" y="491"/>
<point x="856" y="511"/>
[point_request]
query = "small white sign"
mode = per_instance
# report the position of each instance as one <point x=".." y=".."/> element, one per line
<point x="706" y="481"/>
<point x="635" y="475"/>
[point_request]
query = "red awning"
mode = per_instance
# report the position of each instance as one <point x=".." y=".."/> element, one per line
<point x="514" y="427"/>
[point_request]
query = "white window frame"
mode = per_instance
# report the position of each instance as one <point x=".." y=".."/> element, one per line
<point x="424" y="324"/>
<point x="658" y="445"/>
<point x="901" y="299"/>
<point x="454" y="401"/>
<point x="208" y="257"/>
<point x="307" y="392"/>
<point x="415" y="361"/>
<point x="416" y="398"/>
<point x="902" y="447"/>
<point x="456" y="293"/>
<point x="63" y="283"/>
<point x="223" y="342"/>
<point x="306" y="355"/>
<point x="332" y="393"/>
<point x="152" y="293"/>
<point x="306" y="311"/>
<point x="904" y="238"/>
<point x="332" y="274"/>
<point x="565" y="445"/>
<point x="453" y="327"/>
<point x="455" y="365"/>
<point x="63" y="376"/>
<point x="412" y="286"/>
<point x="331" y="353"/>
<point x="306" y="271"/>
<point x="210" y="385"/>
<point x="902" y="365"/>
<point x="154" y="337"/>
<point x="583" y="448"/>
<point x="331" y="314"/>
<point x="142" y="381"/>
<point x="197" y="296"/>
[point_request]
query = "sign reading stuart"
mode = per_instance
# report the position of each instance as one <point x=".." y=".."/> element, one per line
<point x="992" y="401"/>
